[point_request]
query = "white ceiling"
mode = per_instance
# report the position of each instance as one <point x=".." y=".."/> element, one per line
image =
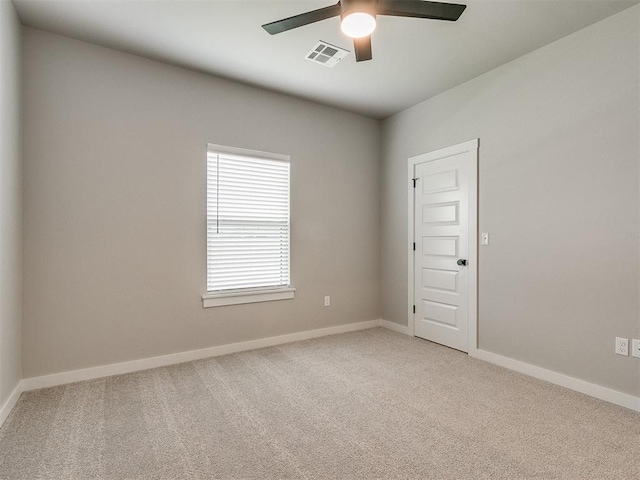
<point x="413" y="59"/>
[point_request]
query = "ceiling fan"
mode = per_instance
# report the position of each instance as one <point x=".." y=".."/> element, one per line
<point x="358" y="18"/>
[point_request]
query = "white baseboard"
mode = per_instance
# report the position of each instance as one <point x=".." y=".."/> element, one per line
<point x="396" y="327"/>
<point x="5" y="410"/>
<point x="63" y="378"/>
<point x="73" y="376"/>
<point x="572" y="383"/>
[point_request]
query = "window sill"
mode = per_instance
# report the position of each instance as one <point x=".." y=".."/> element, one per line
<point x="255" y="296"/>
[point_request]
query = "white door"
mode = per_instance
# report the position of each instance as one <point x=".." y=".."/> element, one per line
<point x="443" y="267"/>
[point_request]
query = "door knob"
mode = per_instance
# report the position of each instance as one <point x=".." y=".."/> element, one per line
<point x="462" y="261"/>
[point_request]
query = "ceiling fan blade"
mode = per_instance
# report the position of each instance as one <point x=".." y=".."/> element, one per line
<point x="363" y="48"/>
<point x="296" y="21"/>
<point x="420" y="9"/>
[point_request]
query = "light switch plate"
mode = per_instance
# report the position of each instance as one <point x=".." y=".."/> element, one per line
<point x="635" y="348"/>
<point x="484" y="238"/>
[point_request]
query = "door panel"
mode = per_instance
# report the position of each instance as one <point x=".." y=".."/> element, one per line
<point x="440" y="182"/>
<point x="441" y="234"/>
<point x="444" y="213"/>
<point x="439" y="279"/>
<point x="440" y="313"/>
<point x="442" y="246"/>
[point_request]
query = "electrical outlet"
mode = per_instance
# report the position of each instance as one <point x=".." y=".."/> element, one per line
<point x="327" y="301"/>
<point x="635" y="348"/>
<point x="622" y="346"/>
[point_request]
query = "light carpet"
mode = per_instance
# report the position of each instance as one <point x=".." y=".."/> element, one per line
<point x="363" y="405"/>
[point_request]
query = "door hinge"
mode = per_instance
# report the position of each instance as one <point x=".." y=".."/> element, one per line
<point x="414" y="309"/>
<point x="414" y="182"/>
<point x="414" y="246"/>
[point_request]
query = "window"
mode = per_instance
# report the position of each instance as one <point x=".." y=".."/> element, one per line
<point x="247" y="227"/>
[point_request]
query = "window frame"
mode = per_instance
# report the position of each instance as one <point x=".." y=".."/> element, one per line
<point x="256" y="294"/>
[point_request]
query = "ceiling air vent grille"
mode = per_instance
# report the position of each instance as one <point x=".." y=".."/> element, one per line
<point x="326" y="54"/>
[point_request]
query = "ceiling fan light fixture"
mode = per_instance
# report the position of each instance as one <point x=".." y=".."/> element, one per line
<point x="358" y="18"/>
<point x="358" y="24"/>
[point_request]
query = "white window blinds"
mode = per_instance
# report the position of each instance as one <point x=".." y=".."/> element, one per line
<point x="247" y="221"/>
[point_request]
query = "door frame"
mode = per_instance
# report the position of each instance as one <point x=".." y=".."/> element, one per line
<point x="470" y="146"/>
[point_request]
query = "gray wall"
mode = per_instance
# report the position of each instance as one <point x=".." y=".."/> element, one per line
<point x="10" y="201"/>
<point x="558" y="178"/>
<point x="114" y="219"/>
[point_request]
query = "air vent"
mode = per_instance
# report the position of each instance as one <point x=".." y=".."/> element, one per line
<point x="326" y="54"/>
